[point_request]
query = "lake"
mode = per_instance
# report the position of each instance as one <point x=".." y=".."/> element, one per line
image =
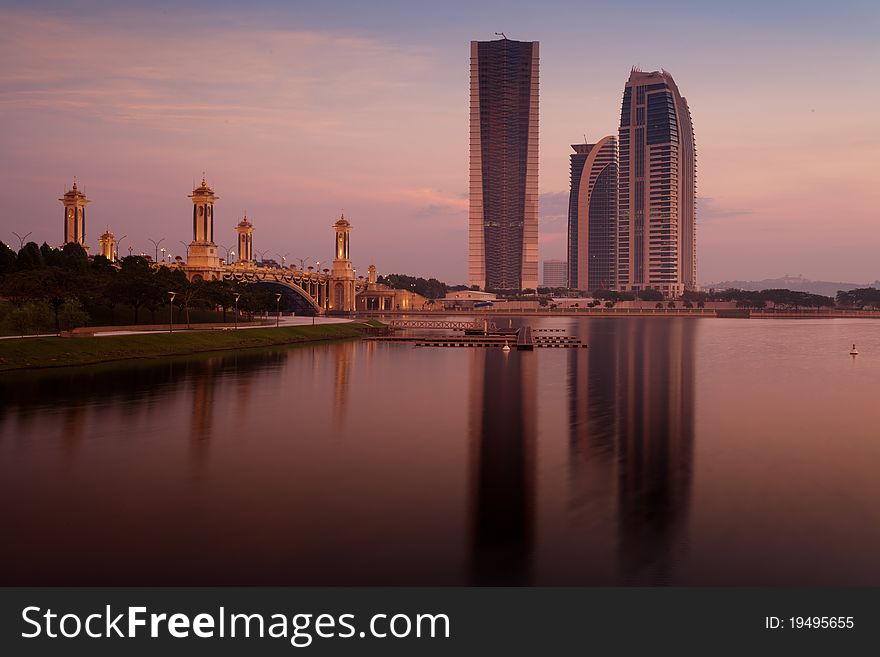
<point x="673" y="451"/>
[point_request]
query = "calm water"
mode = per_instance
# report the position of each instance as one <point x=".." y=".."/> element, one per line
<point x="679" y="451"/>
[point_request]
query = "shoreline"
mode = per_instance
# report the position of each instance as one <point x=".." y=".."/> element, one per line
<point x="707" y="313"/>
<point x="57" y="352"/>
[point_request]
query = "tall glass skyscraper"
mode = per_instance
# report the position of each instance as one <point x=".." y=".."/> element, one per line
<point x="656" y="230"/>
<point x="592" y="216"/>
<point x="503" y="225"/>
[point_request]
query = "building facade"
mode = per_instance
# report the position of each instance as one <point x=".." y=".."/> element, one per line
<point x="657" y="210"/>
<point x="592" y="216"/>
<point x="503" y="223"/>
<point x="555" y="273"/>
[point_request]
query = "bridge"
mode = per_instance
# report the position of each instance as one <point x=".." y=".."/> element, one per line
<point x="438" y="324"/>
<point x="311" y="289"/>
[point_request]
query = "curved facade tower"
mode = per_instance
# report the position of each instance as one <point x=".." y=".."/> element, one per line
<point x="503" y="224"/>
<point x="592" y="216"/>
<point x="656" y="231"/>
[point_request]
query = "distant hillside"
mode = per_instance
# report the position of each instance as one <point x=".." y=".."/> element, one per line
<point x="798" y="283"/>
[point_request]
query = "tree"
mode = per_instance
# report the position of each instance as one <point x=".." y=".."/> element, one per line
<point x="31" y="317"/>
<point x="135" y="284"/>
<point x="220" y="294"/>
<point x="7" y="259"/>
<point x="73" y="257"/>
<point x="863" y="297"/>
<point x="101" y="264"/>
<point x="72" y="315"/>
<point x="650" y="295"/>
<point x="29" y="257"/>
<point x="51" y="257"/>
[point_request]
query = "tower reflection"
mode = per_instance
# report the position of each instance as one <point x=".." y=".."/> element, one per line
<point x="631" y="423"/>
<point x="502" y="427"/>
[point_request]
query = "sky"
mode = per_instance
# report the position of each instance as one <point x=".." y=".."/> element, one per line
<point x="298" y="111"/>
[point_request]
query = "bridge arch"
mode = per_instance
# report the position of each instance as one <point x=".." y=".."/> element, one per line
<point x="304" y="294"/>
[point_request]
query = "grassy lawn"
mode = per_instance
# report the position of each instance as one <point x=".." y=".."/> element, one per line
<point x="58" y="352"/>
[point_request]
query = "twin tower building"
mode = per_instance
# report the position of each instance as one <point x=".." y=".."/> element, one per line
<point x="631" y="212"/>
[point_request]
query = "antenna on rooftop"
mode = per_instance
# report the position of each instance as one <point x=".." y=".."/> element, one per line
<point x="501" y="34"/>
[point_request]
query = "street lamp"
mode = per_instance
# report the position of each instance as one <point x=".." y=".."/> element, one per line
<point x="171" y="296"/>
<point x="186" y="246"/>
<point x="235" y="316"/>
<point x="156" y="244"/>
<point x="283" y="258"/>
<point x="277" y="310"/>
<point x="225" y="248"/>
<point x="22" y="239"/>
<point x="162" y="251"/>
<point x="118" y="242"/>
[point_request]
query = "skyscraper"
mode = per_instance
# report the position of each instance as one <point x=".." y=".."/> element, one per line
<point x="555" y="274"/>
<point x="503" y="226"/>
<point x="592" y="216"/>
<point x="656" y="239"/>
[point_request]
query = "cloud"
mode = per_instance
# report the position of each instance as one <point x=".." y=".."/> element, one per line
<point x="709" y="210"/>
<point x="553" y="208"/>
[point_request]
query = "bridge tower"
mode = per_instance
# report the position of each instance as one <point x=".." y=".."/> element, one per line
<point x="202" y="260"/>
<point x="245" y="230"/>
<point x="108" y="245"/>
<point x="75" y="203"/>
<point x="342" y="281"/>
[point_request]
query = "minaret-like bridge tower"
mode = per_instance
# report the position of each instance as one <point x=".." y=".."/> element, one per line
<point x="75" y="203"/>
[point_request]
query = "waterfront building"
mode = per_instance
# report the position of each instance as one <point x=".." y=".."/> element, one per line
<point x="202" y="259"/>
<point x="503" y="221"/>
<point x="656" y="230"/>
<point x="555" y="273"/>
<point x="108" y="245"/>
<point x="592" y="216"/>
<point x="377" y="296"/>
<point x="245" y="230"/>
<point x="75" y="202"/>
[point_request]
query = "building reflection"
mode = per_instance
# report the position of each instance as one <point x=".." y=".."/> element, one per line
<point x="631" y="405"/>
<point x="503" y="422"/>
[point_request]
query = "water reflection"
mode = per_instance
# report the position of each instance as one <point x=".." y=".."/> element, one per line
<point x="503" y="420"/>
<point x="655" y="440"/>
<point x="375" y="463"/>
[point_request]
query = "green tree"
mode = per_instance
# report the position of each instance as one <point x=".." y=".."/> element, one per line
<point x="650" y="295"/>
<point x="73" y="258"/>
<point x="135" y="284"/>
<point x="7" y="259"/>
<point x="72" y="315"/>
<point x="29" y="257"/>
<point x="32" y="317"/>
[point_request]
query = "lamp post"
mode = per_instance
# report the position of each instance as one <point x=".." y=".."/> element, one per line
<point x="225" y="248"/>
<point x="235" y="316"/>
<point x="283" y="258"/>
<point x="186" y="246"/>
<point x="277" y="310"/>
<point x="156" y="244"/>
<point x="162" y="251"/>
<point x="22" y="239"/>
<point x="171" y="296"/>
<point x="118" y="242"/>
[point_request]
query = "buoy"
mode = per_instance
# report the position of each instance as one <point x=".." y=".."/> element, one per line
<point x="854" y="351"/>
<point x="506" y="347"/>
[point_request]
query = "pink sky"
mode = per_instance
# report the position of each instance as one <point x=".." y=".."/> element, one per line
<point x="294" y="121"/>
